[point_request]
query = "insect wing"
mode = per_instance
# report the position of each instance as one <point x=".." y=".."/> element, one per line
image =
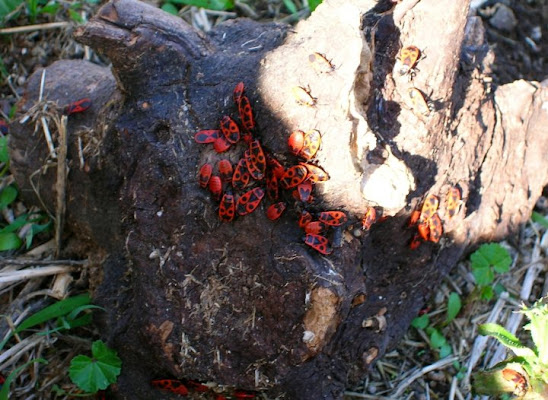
<point x="238" y="93"/>
<point x="206" y="136"/>
<point x="225" y="170"/>
<point x="274" y="165"/>
<point x="429" y="207"/>
<point x="305" y="190"/>
<point x="249" y="201"/>
<point x="293" y="176"/>
<point x="246" y="115"/>
<point x="296" y="142"/>
<point x="303" y="96"/>
<point x="227" y="207"/>
<point x="333" y="218"/>
<point x="272" y="187"/>
<point x="221" y="144"/>
<point x="424" y="230"/>
<point x="215" y="186"/>
<point x="256" y="162"/>
<point x="315" y="173"/>
<point x="205" y="175"/>
<point x="311" y="144"/>
<point x="230" y="129"/>
<point x="315" y="228"/>
<point x="170" y="385"/>
<point x="240" y="176"/>
<point x="419" y="102"/>
<point x="319" y="243"/>
<point x="436" y="228"/>
<point x="320" y="63"/>
<point x="275" y="210"/>
<point x="409" y="56"/>
<point x="305" y="219"/>
<point x="453" y="201"/>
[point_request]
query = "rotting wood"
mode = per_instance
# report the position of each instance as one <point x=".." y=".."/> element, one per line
<point x="240" y="319"/>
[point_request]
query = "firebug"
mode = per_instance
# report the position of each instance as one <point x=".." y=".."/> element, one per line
<point x="227" y="207"/>
<point x="249" y="201"/>
<point x="274" y="165"/>
<point x="272" y="187"/>
<point x="205" y="174"/>
<point x="333" y="218"/>
<point x="369" y="218"/>
<point x="77" y="106"/>
<point x="311" y="144"/>
<point x="453" y="201"/>
<point x="414" y="218"/>
<point x="238" y="93"/>
<point x="415" y="242"/>
<point x="315" y="228"/>
<point x="170" y="385"/>
<point x="256" y="161"/>
<point x="315" y="173"/>
<point x="419" y="102"/>
<point x="296" y="142"/>
<point x="221" y="144"/>
<point x="429" y="207"/>
<point x="436" y="228"/>
<point x="319" y="243"/>
<point x="408" y="58"/>
<point x="230" y="129"/>
<point x="207" y="136"/>
<point x="225" y="170"/>
<point x="275" y="210"/>
<point x="304" y="190"/>
<point x="215" y="186"/>
<point x="246" y="115"/>
<point x="320" y="63"/>
<point x="240" y="176"/>
<point x="305" y="219"/>
<point x="293" y="176"/>
<point x="302" y="96"/>
<point x="424" y="230"/>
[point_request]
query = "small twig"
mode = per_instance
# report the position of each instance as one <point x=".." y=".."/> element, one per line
<point x="37" y="27"/>
<point x="28" y="262"/>
<point x="423" y="371"/>
<point x="11" y="355"/>
<point x="61" y="185"/>
<point x="13" y="276"/>
<point x="47" y="135"/>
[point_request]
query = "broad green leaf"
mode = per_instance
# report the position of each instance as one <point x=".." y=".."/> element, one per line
<point x="491" y="255"/>
<point x="538" y="326"/>
<point x="483" y="275"/>
<point x="437" y="340"/>
<point x="16" y="224"/>
<point x="55" y="310"/>
<point x="539" y="219"/>
<point x="9" y="241"/>
<point x="507" y="339"/>
<point x="312" y="4"/>
<point x="445" y="350"/>
<point x="7" y="196"/>
<point x="51" y="8"/>
<point x="486" y="293"/>
<point x="4" y="156"/>
<point x="453" y="306"/>
<point x="218" y="5"/>
<point x="420" y="322"/>
<point x="97" y="373"/>
<point x="4" y="392"/>
<point x="7" y="7"/>
<point x="170" y="8"/>
<point x="290" y="6"/>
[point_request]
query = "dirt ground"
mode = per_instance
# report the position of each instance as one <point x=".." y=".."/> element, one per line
<point x="517" y="37"/>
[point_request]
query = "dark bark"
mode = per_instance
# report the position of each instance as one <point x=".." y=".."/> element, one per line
<point x="195" y="298"/>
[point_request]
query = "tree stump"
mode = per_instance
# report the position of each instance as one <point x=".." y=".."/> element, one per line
<point x="247" y="303"/>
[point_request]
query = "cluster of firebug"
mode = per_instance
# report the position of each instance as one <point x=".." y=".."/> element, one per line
<point x="258" y="174"/>
<point x="184" y="387"/>
<point x="428" y="221"/>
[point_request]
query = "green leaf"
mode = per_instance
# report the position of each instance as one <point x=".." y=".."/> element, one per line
<point x="491" y="255"/>
<point x="538" y="326"/>
<point x="4" y="392"/>
<point x="445" y="350"/>
<point x="7" y="196"/>
<point x="420" y="322"/>
<point x="312" y="4"/>
<point x="290" y="6"/>
<point x="486" y="293"/>
<point x="453" y="306"/>
<point x="34" y="230"/>
<point x="507" y="339"/>
<point x="8" y="6"/>
<point x="437" y="340"/>
<point x="55" y="310"/>
<point x="483" y="275"/>
<point x="9" y="241"/>
<point x="4" y="155"/>
<point x="50" y="8"/>
<point x="218" y="5"/>
<point x="97" y="373"/>
<point x="75" y="16"/>
<point x="170" y="8"/>
<point x="539" y="219"/>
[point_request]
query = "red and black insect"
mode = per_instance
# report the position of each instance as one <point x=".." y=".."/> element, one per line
<point x="240" y="176"/>
<point x="77" y="106"/>
<point x="315" y="173"/>
<point x="369" y="218"/>
<point x="272" y="187"/>
<point x="415" y="242"/>
<point x="315" y="228"/>
<point x="436" y="228"/>
<point x="227" y="207"/>
<point x="249" y="201"/>
<point x="225" y="170"/>
<point x="296" y="142"/>
<point x="230" y="129"/>
<point x="304" y="189"/>
<point x="205" y="174"/>
<point x="221" y="144"/>
<point x="256" y="161"/>
<point x="215" y="186"/>
<point x="304" y="219"/>
<point x="207" y="136"/>
<point x="246" y="115"/>
<point x="238" y="92"/>
<point x="275" y="211"/>
<point x="333" y="218"/>
<point x="170" y="385"/>
<point x="4" y="129"/>
<point x="293" y="176"/>
<point x="320" y="63"/>
<point x="311" y="144"/>
<point x="274" y="165"/>
<point x="319" y="243"/>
